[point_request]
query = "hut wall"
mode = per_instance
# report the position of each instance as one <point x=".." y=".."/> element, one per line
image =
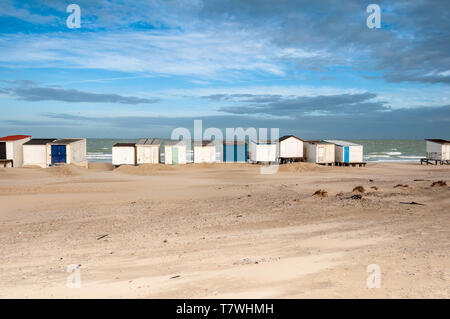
<point x="147" y="154"/>
<point x="123" y="155"/>
<point x="205" y="154"/>
<point x="35" y="155"/>
<point x="263" y="152"/>
<point x="291" y="148"/>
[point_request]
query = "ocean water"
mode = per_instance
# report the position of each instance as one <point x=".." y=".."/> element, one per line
<point x="100" y="150"/>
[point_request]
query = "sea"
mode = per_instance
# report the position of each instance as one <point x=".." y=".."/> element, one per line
<point x="100" y="150"/>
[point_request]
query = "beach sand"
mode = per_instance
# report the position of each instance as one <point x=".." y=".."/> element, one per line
<point x="224" y="231"/>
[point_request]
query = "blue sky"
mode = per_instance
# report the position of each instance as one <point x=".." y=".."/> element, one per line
<point x="143" y="68"/>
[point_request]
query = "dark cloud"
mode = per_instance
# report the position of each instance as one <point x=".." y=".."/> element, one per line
<point x="416" y="123"/>
<point x="296" y="106"/>
<point x="27" y="91"/>
<point x="411" y="46"/>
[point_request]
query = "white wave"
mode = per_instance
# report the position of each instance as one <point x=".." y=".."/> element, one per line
<point x="393" y="153"/>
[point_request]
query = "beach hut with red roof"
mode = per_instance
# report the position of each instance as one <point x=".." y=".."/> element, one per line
<point x="11" y="150"/>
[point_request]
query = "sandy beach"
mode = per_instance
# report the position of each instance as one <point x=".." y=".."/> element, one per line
<point x="225" y="231"/>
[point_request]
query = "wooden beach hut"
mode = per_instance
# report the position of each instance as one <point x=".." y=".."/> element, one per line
<point x="67" y="151"/>
<point x="204" y="152"/>
<point x="347" y="153"/>
<point x="320" y="152"/>
<point x="174" y="152"/>
<point x="11" y="150"/>
<point x="124" y="154"/>
<point x="438" y="151"/>
<point x="290" y="149"/>
<point x="148" y="151"/>
<point x="263" y="151"/>
<point x="35" y="152"/>
<point x="235" y="152"/>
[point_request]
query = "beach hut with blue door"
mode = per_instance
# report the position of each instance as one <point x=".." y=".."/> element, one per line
<point x="347" y="152"/>
<point x="67" y="151"/>
<point x="235" y="151"/>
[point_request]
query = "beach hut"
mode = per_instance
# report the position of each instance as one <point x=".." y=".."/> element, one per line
<point x="124" y="154"/>
<point x="67" y="151"/>
<point x="262" y="151"/>
<point x="438" y="150"/>
<point x="11" y="150"/>
<point x="290" y="149"/>
<point x="320" y="152"/>
<point x="204" y="152"/>
<point x="148" y="151"/>
<point x="234" y="151"/>
<point x="35" y="152"/>
<point x="175" y="152"/>
<point x="347" y="153"/>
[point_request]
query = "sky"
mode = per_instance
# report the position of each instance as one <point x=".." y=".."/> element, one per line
<point x="143" y="68"/>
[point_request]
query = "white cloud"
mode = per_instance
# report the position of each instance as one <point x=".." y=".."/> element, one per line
<point x="207" y="54"/>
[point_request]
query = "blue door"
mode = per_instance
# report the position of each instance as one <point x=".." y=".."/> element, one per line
<point x="59" y="154"/>
<point x="346" y="154"/>
<point x="235" y="152"/>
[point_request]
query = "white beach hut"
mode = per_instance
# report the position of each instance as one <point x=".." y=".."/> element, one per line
<point x="320" y="152"/>
<point x="35" y="152"/>
<point x="347" y="153"/>
<point x="204" y="152"/>
<point x="175" y="152"/>
<point x="438" y="150"/>
<point x="67" y="151"/>
<point x="290" y="149"/>
<point x="148" y="151"/>
<point x="11" y="150"/>
<point x="124" y="154"/>
<point x="262" y="151"/>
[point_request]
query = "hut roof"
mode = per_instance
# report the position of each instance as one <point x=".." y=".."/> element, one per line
<point x="437" y="140"/>
<point x="149" y="141"/>
<point x="234" y="142"/>
<point x="288" y="136"/>
<point x="342" y="143"/>
<point x="319" y="142"/>
<point x="204" y="143"/>
<point x="66" y="141"/>
<point x="261" y="142"/>
<point x="40" y="141"/>
<point x="174" y="142"/>
<point x="11" y="138"/>
<point x="124" y="145"/>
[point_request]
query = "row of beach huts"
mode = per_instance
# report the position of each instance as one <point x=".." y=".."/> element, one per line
<point x="23" y="151"/>
<point x="286" y="149"/>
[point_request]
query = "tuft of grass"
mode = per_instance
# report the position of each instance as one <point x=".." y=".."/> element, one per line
<point x="321" y="193"/>
<point x="374" y="188"/>
<point x="439" y="183"/>
<point x="359" y="189"/>
<point x="339" y="194"/>
<point x="401" y="185"/>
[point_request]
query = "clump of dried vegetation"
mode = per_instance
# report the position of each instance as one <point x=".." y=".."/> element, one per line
<point x="321" y="193"/>
<point x="439" y="183"/>
<point x="359" y="189"/>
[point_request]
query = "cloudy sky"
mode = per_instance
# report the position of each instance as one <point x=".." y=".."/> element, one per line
<point x="142" y="68"/>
